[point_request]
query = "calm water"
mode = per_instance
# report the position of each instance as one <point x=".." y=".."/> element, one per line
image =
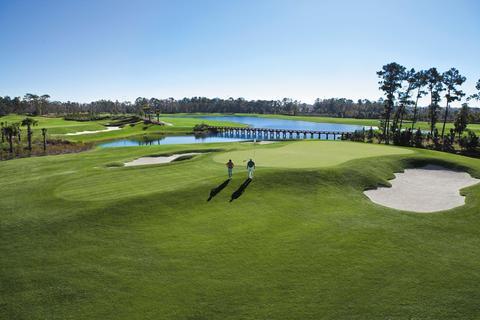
<point x="255" y="122"/>
<point x="170" y="139"/>
<point x="268" y="123"/>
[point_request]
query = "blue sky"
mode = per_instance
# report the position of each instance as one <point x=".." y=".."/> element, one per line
<point x="263" y="49"/>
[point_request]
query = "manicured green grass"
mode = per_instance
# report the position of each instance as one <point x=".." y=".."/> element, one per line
<point x="309" y="154"/>
<point x="81" y="240"/>
<point x="58" y="127"/>
<point x="177" y="126"/>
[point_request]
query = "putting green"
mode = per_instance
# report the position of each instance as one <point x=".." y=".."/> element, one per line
<point x="309" y="154"/>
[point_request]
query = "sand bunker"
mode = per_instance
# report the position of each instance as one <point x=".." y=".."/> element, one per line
<point x="90" y="132"/>
<point x="428" y="189"/>
<point x="260" y="142"/>
<point x="157" y="160"/>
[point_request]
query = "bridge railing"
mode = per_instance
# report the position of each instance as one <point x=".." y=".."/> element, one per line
<point x="247" y="131"/>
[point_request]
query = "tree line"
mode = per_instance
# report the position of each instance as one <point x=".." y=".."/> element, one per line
<point x="32" y="104"/>
<point x="403" y="88"/>
<point x="39" y="105"/>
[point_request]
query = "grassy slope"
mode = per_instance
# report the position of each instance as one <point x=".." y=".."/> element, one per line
<point x="179" y="126"/>
<point x="309" y="154"/>
<point x="57" y="127"/>
<point x="80" y="240"/>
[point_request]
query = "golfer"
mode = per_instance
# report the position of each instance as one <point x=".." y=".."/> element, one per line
<point x="250" y="168"/>
<point x="230" y="166"/>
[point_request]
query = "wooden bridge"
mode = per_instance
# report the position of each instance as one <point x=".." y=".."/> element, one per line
<point x="268" y="133"/>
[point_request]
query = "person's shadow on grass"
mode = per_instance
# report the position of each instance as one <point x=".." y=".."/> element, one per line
<point x="217" y="189"/>
<point x="240" y="190"/>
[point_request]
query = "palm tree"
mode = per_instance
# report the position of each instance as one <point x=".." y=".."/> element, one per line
<point x="421" y="81"/>
<point x="146" y="110"/>
<point x="44" y="134"/>
<point x="435" y="86"/>
<point x="11" y="131"/>
<point x="29" y="123"/>
<point x="2" y="132"/>
<point x="391" y="77"/>
<point x="452" y="79"/>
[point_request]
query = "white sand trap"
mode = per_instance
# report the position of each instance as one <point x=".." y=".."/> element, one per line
<point x="261" y="142"/>
<point x="157" y="160"/>
<point x="90" y="132"/>
<point x="428" y="189"/>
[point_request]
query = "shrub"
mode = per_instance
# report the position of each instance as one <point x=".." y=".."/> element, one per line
<point x="418" y="139"/>
<point x="358" y="136"/>
<point x="124" y="120"/>
<point x="84" y="117"/>
<point x="436" y="139"/>
<point x="448" y="141"/>
<point x="202" y="127"/>
<point x="402" y="138"/>
<point x="469" y="142"/>
<point x="370" y="135"/>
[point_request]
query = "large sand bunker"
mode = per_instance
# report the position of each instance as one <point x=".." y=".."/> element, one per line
<point x="158" y="160"/>
<point x="428" y="189"/>
<point x="91" y="132"/>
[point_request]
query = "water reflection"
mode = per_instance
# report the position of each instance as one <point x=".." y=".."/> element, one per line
<point x="254" y="122"/>
<point x="152" y="140"/>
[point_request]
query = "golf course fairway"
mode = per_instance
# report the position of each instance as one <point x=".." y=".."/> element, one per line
<point x="82" y="237"/>
<point x="309" y="154"/>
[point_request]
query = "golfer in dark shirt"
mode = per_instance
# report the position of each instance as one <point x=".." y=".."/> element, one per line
<point x="250" y="168"/>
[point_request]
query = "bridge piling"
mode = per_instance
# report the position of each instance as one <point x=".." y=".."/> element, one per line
<point x="269" y="133"/>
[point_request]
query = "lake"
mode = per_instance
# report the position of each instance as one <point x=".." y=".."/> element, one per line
<point x="152" y="140"/>
<point x="271" y="123"/>
<point x="254" y="122"/>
